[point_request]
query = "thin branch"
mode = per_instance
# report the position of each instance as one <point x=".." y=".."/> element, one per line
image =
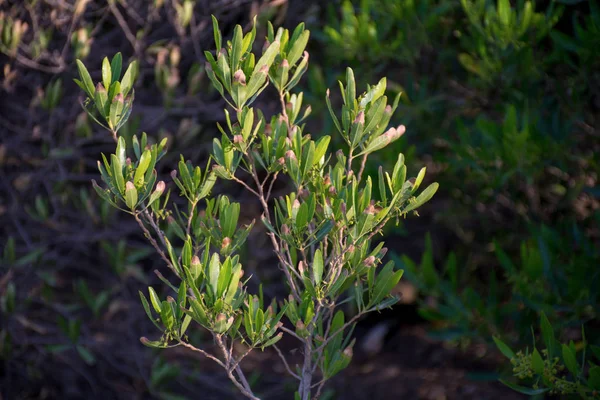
<point x="287" y="366"/>
<point x="204" y="353"/>
<point x="123" y="24"/>
<point x="271" y="185"/>
<point x="244" y="386"/>
<point x="362" y="167"/>
<point x="286" y="330"/>
<point x="155" y="244"/>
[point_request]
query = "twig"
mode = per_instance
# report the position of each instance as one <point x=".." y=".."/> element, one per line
<point x="286" y="330"/>
<point x="123" y="24"/>
<point x="204" y="353"/>
<point x="285" y="363"/>
<point x="362" y="167"/>
<point x="244" y="386"/>
<point x="155" y="244"/>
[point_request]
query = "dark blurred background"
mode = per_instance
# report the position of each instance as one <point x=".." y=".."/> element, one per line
<point x="502" y="109"/>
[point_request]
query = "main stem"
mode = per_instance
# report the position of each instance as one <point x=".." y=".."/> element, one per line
<point x="306" y="381"/>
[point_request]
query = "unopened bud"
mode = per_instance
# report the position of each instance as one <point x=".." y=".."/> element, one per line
<point x="290" y="155"/>
<point x="129" y="186"/>
<point x="303" y="193"/>
<point x="268" y="130"/>
<point x="332" y="190"/>
<point x="388" y="109"/>
<point x="195" y="261"/>
<point x="160" y="187"/>
<point x="281" y="161"/>
<point x="370" y="210"/>
<point x="383" y="252"/>
<point x="264" y="69"/>
<point x="360" y="118"/>
<point x="144" y="340"/>
<point x="327" y="181"/>
<point x="170" y="299"/>
<point x="351" y="249"/>
<point x="238" y="139"/>
<point x="221" y="317"/>
<point x="119" y="98"/>
<point x="285" y="229"/>
<point x="128" y="161"/>
<point x="370" y="261"/>
<point x="296" y="204"/>
<point x="100" y="88"/>
<point x="285" y="64"/>
<point x="240" y="77"/>
<point x="348" y="351"/>
<point x="301" y="267"/>
<point x="300" y="325"/>
<point x="174" y="174"/>
<point x="226" y="242"/>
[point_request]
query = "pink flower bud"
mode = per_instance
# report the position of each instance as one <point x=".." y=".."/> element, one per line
<point x="360" y="118"/>
<point x="290" y="155"/>
<point x="240" y="77"/>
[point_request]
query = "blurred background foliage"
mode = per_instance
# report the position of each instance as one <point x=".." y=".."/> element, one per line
<point x="501" y="100"/>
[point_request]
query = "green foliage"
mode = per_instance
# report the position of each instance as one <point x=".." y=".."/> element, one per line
<point x="557" y="369"/>
<point x="320" y="232"/>
<point x="109" y="103"/>
<point x="386" y="31"/>
<point x="500" y="39"/>
<point x="548" y="277"/>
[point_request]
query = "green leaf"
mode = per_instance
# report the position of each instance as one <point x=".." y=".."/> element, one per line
<point x="423" y="198"/>
<point x="138" y="178"/>
<point x="230" y="219"/>
<point x="317" y="269"/>
<point x="336" y="122"/>
<point x="268" y="57"/>
<point x="154" y="299"/>
<point x="547" y="335"/>
<point x="213" y="273"/>
<point x="131" y="195"/>
<point x="236" y="48"/>
<point x="106" y="73"/>
<point x="537" y="363"/>
<point x="147" y="309"/>
<point x="208" y="185"/>
<point x="570" y="360"/>
<point x="115" y="67"/>
<point x="216" y="33"/>
<point x="129" y="78"/>
<point x="86" y="79"/>
<point x="350" y="87"/>
<point x="504" y="11"/>
<point x="504" y="349"/>
<point x="298" y="48"/>
<point x="321" y="148"/>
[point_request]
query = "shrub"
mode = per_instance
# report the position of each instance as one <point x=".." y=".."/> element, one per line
<point x="321" y="232"/>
